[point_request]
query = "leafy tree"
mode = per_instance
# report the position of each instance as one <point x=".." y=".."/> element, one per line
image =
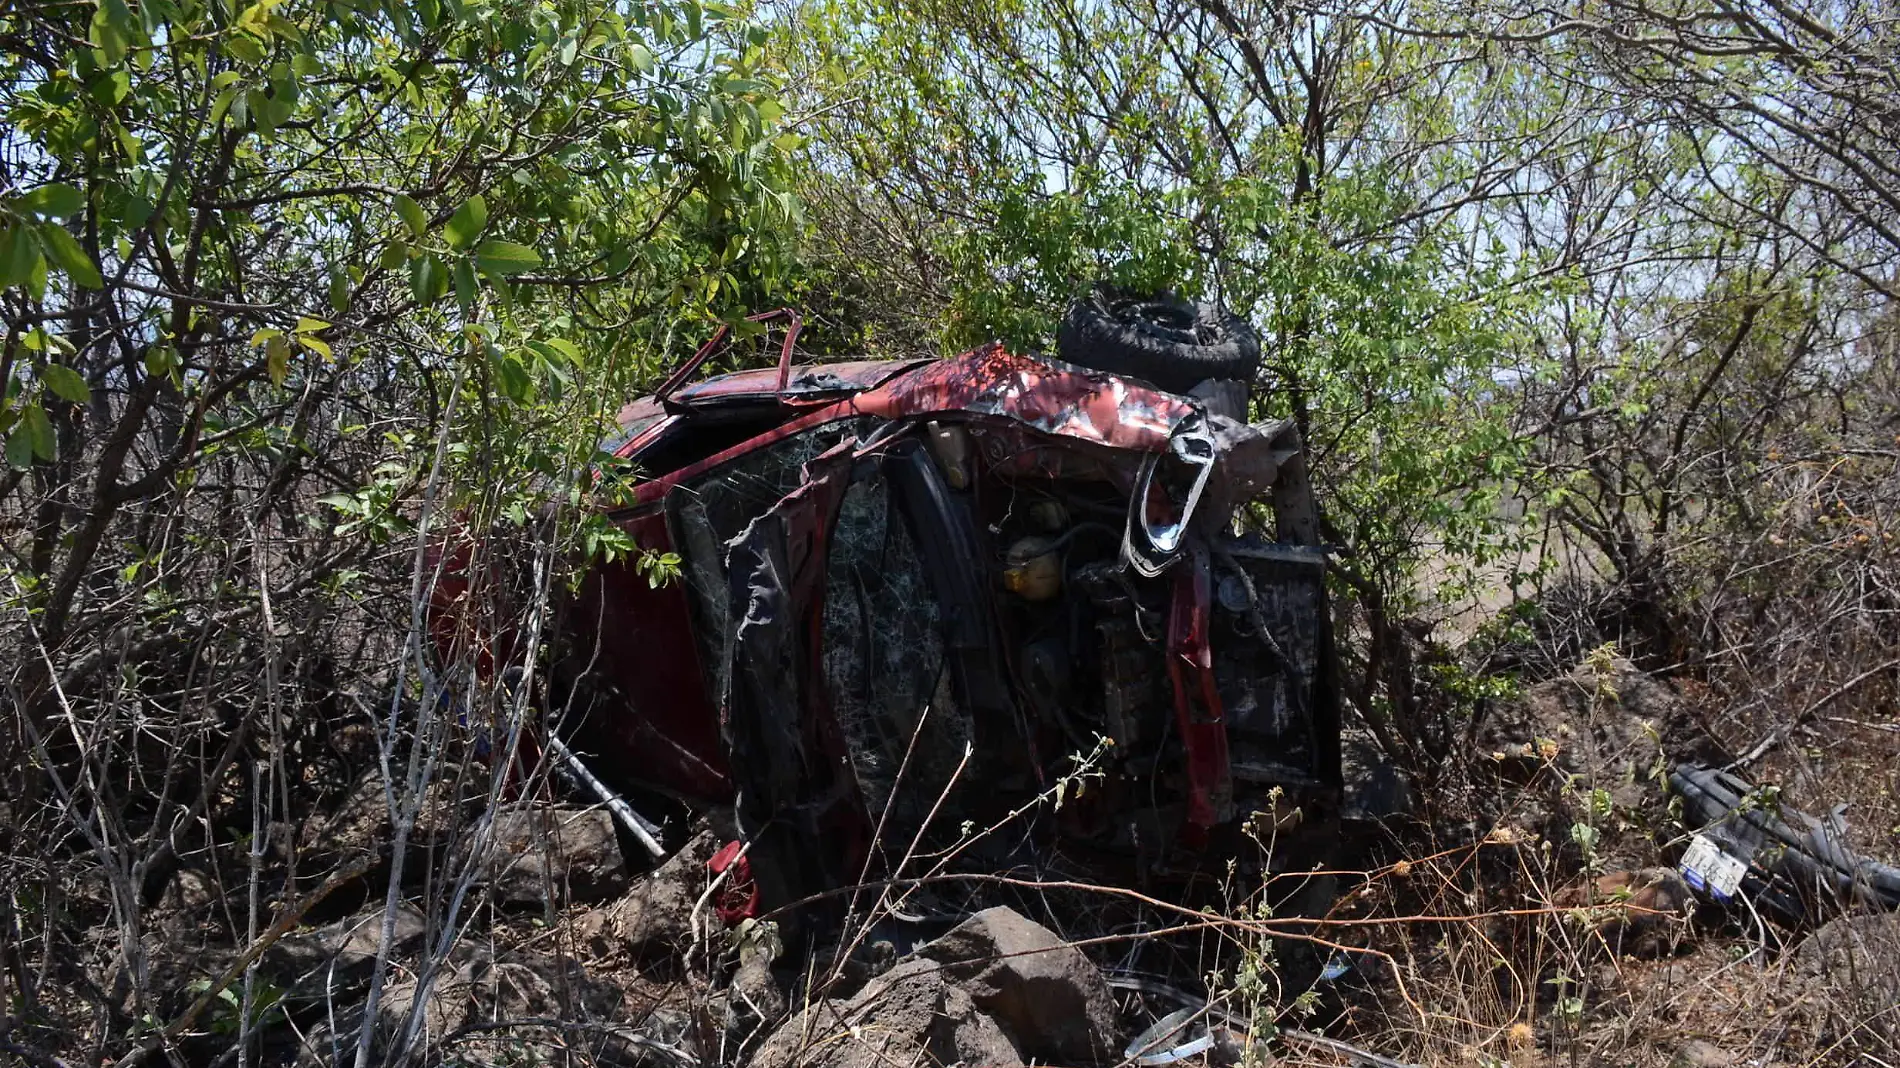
<point x="282" y="283"/>
<point x="983" y="161"/>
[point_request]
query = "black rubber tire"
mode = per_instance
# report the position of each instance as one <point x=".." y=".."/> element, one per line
<point x="1162" y="339"/>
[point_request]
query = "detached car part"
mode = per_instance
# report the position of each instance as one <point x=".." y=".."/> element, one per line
<point x="1793" y="866"/>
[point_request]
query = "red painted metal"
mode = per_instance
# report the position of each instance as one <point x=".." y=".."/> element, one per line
<point x="738" y="896"/>
<point x="646" y="646"/>
<point x="716" y="343"/>
<point x="1044" y="394"/>
<point x="791" y="336"/>
<point x="1197" y="705"/>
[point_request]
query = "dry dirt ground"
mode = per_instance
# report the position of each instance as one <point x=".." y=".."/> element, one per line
<point x="1530" y="916"/>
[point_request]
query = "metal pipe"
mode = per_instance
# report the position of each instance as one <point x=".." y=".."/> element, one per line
<point x="643" y="830"/>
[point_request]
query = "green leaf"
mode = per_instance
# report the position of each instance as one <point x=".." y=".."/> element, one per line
<point x="54" y="200"/>
<point x="20" y="450"/>
<point x="307" y="325"/>
<point x="316" y="345"/>
<point x="512" y="378"/>
<point x="66" y="383"/>
<point x="412" y="215"/>
<point x="427" y="280"/>
<point x="19" y="254"/>
<point x="244" y="48"/>
<point x="161" y="361"/>
<point x="506" y="258"/>
<point x="223" y="103"/>
<point x="464" y="285"/>
<point x="277" y="359"/>
<point x="63" y="249"/>
<point x="467" y="223"/>
<point x="395" y="254"/>
<point x="39" y="431"/>
<point x="339" y="292"/>
<point x="113" y="31"/>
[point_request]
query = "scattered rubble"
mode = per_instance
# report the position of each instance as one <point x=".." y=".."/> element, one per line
<point x="677" y="967"/>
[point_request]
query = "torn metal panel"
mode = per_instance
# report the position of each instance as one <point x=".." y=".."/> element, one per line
<point x="1197" y="703"/>
<point x="1044" y="394"/>
<point x="797" y="803"/>
<point x="631" y="643"/>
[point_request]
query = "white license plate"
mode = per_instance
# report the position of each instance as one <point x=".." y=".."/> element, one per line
<point x="1709" y="867"/>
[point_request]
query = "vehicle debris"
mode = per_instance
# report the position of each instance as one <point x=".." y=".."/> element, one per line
<point x="643" y="830"/>
<point x="1796" y="867"/>
<point x="887" y="564"/>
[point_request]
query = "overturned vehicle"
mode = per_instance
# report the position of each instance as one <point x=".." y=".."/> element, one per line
<point x="917" y="594"/>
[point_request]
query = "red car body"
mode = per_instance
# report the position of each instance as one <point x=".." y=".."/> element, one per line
<point x="885" y="559"/>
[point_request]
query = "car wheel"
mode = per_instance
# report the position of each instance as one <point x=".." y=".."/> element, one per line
<point x="1173" y="343"/>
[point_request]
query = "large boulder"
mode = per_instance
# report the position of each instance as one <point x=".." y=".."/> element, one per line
<point x="911" y="1014"/>
<point x="996" y="990"/>
<point x="655" y="916"/>
<point x="1607" y="726"/>
<point x="1046" y="992"/>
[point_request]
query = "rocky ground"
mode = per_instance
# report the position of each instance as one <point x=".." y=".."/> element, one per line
<point x="1546" y="924"/>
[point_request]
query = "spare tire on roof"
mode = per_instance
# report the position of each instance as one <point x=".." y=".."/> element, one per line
<point x="1159" y="338"/>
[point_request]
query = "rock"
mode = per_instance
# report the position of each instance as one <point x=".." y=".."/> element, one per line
<point x="975" y="1036"/>
<point x="360" y="824"/>
<point x="338" y="958"/>
<point x="1639" y="913"/>
<point x="446" y="1008"/>
<point x="521" y="986"/>
<point x="655" y="916"/>
<point x="190" y="891"/>
<point x="1699" y="1054"/>
<point x="1861" y="952"/>
<point x="471" y="986"/>
<point x="1048" y="995"/>
<point x="754" y="997"/>
<point x="1606" y="726"/>
<point x="910" y="1015"/>
<point x="555" y="854"/>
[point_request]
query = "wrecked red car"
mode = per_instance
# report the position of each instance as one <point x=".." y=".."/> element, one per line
<point x="913" y="591"/>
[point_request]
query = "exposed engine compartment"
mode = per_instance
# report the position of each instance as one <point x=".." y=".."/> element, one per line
<point x="934" y="592"/>
<point x="1086" y="656"/>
